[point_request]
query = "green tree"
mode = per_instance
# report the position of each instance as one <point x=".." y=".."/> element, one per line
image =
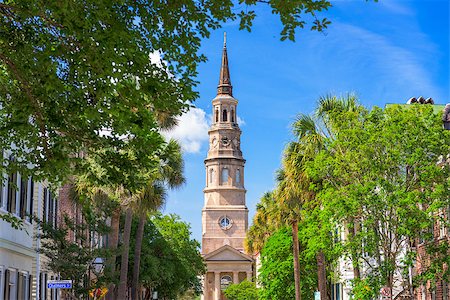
<point x="389" y="181"/>
<point x="245" y="290"/>
<point x="73" y="70"/>
<point x="171" y="262"/>
<point x="265" y="222"/>
<point x="70" y="70"/>
<point x="168" y="175"/>
<point x="73" y="257"/>
<point x="277" y="271"/>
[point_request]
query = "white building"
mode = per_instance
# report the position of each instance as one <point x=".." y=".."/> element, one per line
<point x="22" y="273"/>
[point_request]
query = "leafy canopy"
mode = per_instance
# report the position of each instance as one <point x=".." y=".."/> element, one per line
<point x="77" y="77"/>
<point x="171" y="262"/>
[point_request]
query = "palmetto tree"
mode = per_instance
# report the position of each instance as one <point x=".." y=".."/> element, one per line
<point x="292" y="191"/>
<point x="312" y="133"/>
<point x="168" y="175"/>
<point x="265" y="222"/>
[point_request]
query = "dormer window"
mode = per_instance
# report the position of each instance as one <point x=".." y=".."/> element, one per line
<point x="225" y="116"/>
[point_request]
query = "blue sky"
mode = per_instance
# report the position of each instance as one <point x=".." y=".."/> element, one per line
<point x="385" y="52"/>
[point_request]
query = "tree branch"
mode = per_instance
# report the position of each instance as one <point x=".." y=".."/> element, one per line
<point x="35" y="104"/>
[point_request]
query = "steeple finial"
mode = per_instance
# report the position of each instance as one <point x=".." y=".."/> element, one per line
<point x="224" y="87"/>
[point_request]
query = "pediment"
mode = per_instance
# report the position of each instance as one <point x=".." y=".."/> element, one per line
<point x="227" y="253"/>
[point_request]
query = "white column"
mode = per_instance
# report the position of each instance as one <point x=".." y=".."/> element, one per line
<point x="235" y="277"/>
<point x="216" y="285"/>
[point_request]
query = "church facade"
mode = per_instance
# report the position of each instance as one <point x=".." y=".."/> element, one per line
<point x="225" y="214"/>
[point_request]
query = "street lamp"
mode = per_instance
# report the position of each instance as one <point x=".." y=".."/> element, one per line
<point x="98" y="266"/>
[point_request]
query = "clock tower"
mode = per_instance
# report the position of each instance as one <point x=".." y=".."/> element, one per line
<point x="224" y="215"/>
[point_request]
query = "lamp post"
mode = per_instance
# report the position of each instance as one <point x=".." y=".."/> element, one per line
<point x="98" y="266"/>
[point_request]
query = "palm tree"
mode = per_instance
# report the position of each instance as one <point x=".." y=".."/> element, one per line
<point x="265" y="222"/>
<point x="312" y="135"/>
<point x="172" y="154"/>
<point x="168" y="175"/>
<point x="291" y="192"/>
<point x="328" y="112"/>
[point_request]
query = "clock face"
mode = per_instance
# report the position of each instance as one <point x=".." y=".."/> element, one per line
<point x="225" y="223"/>
<point x="225" y="141"/>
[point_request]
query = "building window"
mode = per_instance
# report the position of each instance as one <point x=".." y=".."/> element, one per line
<point x="23" y="197"/>
<point x="336" y="293"/>
<point x="225" y="116"/>
<point x="238" y="176"/>
<point x="43" y="286"/>
<point x="10" y="287"/>
<point x="44" y="211"/>
<point x="6" y="285"/>
<point x="211" y="175"/>
<point x="232" y="116"/>
<point x="22" y="286"/>
<point x="224" y="175"/>
<point x="11" y="192"/>
<point x="30" y="283"/>
<point x="31" y="201"/>
<point x="50" y="214"/>
<point x="217" y="115"/>
<point x="441" y="222"/>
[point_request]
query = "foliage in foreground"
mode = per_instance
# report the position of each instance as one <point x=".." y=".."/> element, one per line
<point x="277" y="270"/>
<point x="84" y="76"/>
<point x="244" y="290"/>
<point x="171" y="262"/>
<point x="73" y="257"/>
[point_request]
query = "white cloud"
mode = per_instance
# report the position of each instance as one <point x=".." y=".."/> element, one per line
<point x="398" y="64"/>
<point x="396" y="7"/>
<point x="240" y="121"/>
<point x="191" y="131"/>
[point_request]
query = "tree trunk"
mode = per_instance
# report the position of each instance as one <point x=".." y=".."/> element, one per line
<point x="322" y="275"/>
<point x="353" y="230"/>
<point x="137" y="256"/>
<point x="296" y="250"/>
<point x="113" y="241"/>
<point x="122" y="293"/>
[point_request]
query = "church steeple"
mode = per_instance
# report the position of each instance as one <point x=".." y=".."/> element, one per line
<point x="224" y="87"/>
<point x="224" y="214"/>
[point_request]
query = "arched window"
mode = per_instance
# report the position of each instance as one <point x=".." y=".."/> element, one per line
<point x="217" y="115"/>
<point x="238" y="176"/>
<point x="232" y="115"/>
<point x="211" y="175"/>
<point x="224" y="116"/>
<point x="224" y="175"/>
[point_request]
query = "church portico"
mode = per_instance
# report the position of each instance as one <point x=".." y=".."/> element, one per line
<point x="226" y="265"/>
<point x="225" y="214"/>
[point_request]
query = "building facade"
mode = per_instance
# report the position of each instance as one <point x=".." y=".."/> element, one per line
<point x="22" y="268"/>
<point x="225" y="214"/>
